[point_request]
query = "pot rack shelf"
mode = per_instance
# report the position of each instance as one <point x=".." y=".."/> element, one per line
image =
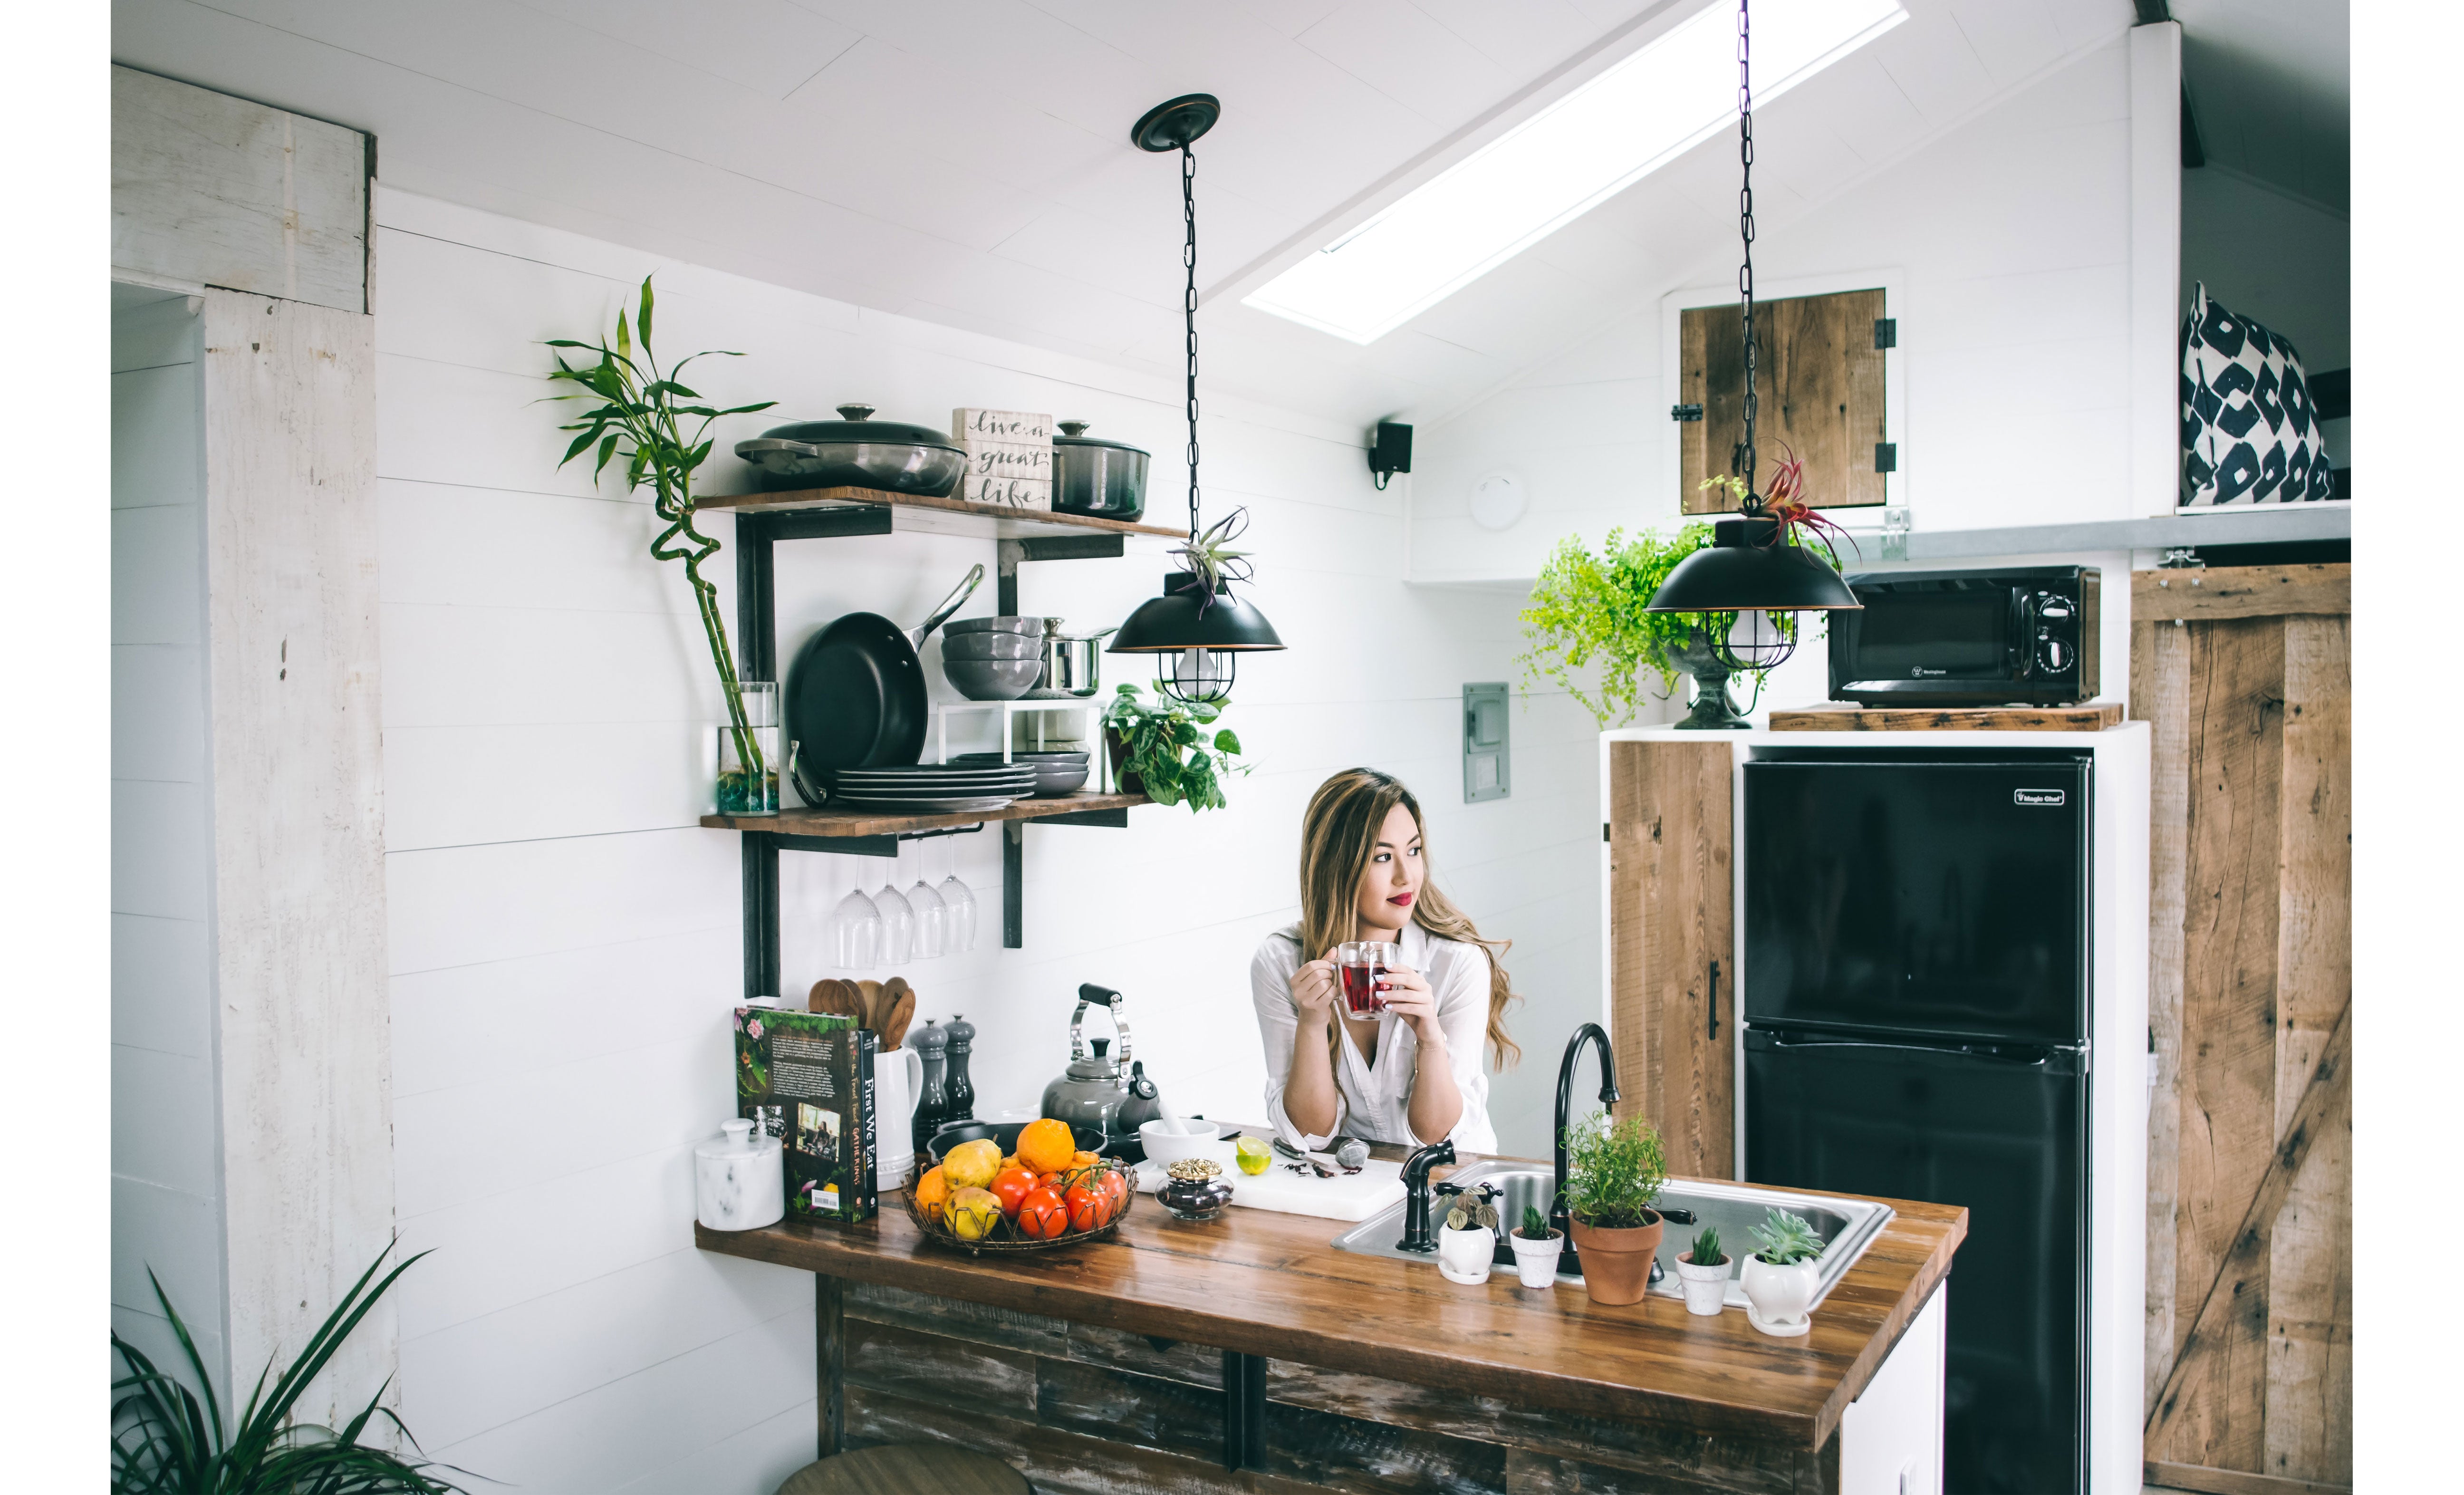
<point x="762" y="520"/>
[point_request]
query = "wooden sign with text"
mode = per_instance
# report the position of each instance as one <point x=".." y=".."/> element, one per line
<point x="1009" y="457"/>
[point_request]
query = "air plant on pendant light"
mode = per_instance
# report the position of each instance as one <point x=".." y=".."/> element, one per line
<point x="1197" y="623"/>
<point x="1762" y="568"/>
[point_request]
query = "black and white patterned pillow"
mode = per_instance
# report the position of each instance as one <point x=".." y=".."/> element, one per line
<point x="2250" y="433"/>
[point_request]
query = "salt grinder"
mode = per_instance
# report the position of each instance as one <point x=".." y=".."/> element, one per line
<point x="932" y="1107"/>
<point x="961" y="1089"/>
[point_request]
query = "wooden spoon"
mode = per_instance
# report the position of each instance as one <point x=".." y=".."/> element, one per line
<point x="897" y="1008"/>
<point x="893" y="1032"/>
<point x="868" y="1005"/>
<point x="837" y="998"/>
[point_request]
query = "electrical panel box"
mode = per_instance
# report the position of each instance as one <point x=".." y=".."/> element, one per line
<point x="1487" y="771"/>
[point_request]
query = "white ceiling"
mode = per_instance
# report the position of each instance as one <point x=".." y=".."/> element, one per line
<point x="2270" y="86"/>
<point x="967" y="160"/>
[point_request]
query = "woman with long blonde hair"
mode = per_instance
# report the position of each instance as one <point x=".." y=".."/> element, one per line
<point x="1412" y="1073"/>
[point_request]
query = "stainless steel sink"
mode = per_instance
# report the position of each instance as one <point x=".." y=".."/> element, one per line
<point x="1846" y="1226"/>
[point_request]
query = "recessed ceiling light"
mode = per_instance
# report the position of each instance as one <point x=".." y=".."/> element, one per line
<point x="1553" y="168"/>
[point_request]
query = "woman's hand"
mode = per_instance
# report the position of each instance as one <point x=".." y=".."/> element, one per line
<point x="1408" y="997"/>
<point x="1314" y="989"/>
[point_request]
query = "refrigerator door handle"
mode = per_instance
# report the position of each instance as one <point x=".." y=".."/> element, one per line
<point x="2015" y="1056"/>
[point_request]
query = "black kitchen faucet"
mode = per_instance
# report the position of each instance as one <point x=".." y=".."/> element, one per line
<point x="1588" y="1032"/>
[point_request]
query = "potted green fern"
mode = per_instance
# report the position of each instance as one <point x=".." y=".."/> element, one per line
<point x="1614" y="1174"/>
<point x="1780" y="1276"/>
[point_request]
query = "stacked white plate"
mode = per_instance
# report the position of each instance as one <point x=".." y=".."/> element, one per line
<point x="940" y="788"/>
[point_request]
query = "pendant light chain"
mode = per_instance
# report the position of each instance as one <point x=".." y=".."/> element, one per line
<point x="1746" y="230"/>
<point x="1189" y="317"/>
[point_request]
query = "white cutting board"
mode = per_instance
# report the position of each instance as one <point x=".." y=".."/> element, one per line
<point x="1345" y="1197"/>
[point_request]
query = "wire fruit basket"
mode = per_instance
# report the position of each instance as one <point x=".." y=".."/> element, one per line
<point x="1094" y="1199"/>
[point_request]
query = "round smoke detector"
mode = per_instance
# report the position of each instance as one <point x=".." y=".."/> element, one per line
<point x="1497" y="501"/>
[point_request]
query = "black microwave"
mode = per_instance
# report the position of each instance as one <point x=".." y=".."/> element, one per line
<point x="2024" y="635"/>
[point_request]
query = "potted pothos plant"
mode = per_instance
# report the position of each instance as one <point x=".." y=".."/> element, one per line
<point x="639" y="411"/>
<point x="1165" y="752"/>
<point x="1614" y="1171"/>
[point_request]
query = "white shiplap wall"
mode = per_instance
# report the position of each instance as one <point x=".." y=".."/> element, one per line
<point x="166" y="1190"/>
<point x="564" y="940"/>
<point x="2011" y="237"/>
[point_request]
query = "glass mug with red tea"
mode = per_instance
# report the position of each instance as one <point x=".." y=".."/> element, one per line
<point x="1360" y="963"/>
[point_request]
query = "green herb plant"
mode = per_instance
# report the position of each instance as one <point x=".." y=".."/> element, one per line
<point x="1536" y="1225"/>
<point x="1784" y="1238"/>
<point x="165" y="1441"/>
<point x="1707" y="1248"/>
<point x="1587" y="610"/>
<point x="1615" y="1170"/>
<point x="640" y="415"/>
<point x="1176" y="759"/>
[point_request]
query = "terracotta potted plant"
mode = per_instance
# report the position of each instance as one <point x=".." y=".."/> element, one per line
<point x="1780" y="1277"/>
<point x="1536" y="1248"/>
<point x="1614" y="1172"/>
<point x="1704" y="1273"/>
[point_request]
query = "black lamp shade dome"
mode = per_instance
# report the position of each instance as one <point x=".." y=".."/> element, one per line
<point x="1747" y="569"/>
<point x="1173" y="622"/>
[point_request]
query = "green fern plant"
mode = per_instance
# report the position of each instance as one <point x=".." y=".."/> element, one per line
<point x="1586" y="610"/>
<point x="1784" y="1238"/>
<point x="1614" y="1171"/>
<point x="165" y="1441"/>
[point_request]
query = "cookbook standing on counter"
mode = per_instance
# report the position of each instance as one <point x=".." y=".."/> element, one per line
<point x="1383" y="1046"/>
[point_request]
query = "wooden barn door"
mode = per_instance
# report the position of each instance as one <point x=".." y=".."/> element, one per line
<point x="1818" y="374"/>
<point x="2245" y="673"/>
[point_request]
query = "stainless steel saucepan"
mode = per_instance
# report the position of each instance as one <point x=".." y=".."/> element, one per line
<point x="1071" y="665"/>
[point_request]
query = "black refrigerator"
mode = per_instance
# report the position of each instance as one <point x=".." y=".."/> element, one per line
<point x="1917" y="1025"/>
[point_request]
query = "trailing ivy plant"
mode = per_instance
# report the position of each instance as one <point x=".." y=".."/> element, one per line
<point x="640" y="417"/>
<point x="1168" y="749"/>
<point x="1586" y="609"/>
<point x="166" y="1442"/>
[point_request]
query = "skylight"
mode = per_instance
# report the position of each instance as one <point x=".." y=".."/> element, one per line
<point x="1553" y="168"/>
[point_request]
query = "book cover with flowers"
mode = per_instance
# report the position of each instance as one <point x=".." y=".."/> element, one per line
<point x="807" y="1078"/>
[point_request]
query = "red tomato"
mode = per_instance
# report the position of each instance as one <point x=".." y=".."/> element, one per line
<point x="1043" y="1214"/>
<point x="1012" y="1185"/>
<point x="1116" y="1192"/>
<point x="1089" y="1207"/>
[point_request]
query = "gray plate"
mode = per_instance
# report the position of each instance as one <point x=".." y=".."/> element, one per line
<point x="940" y="806"/>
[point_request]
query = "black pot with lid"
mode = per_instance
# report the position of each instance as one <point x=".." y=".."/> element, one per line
<point x="1101" y="480"/>
<point x="857" y="451"/>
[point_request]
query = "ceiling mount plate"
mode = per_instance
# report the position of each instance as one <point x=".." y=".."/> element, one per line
<point x="1175" y="124"/>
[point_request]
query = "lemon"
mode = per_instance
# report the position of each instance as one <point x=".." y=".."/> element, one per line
<point x="1251" y="1153"/>
<point x="972" y="1165"/>
<point x="973" y="1214"/>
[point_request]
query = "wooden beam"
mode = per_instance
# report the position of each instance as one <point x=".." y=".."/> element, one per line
<point x="2233" y="1482"/>
<point x="829" y="1364"/>
<point x="2329" y="1094"/>
<point x="2160" y="694"/>
<point x="2199" y="594"/>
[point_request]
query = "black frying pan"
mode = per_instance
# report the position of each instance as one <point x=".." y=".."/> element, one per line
<point x="855" y="694"/>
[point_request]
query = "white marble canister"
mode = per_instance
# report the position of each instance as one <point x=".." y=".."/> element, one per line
<point x="740" y="1179"/>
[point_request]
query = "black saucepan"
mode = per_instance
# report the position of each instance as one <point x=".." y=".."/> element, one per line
<point x="855" y="694"/>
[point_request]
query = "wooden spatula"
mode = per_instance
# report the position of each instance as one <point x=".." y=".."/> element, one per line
<point x="898" y="1010"/>
<point x="835" y="998"/>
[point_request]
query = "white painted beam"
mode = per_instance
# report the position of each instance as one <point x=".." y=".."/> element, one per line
<point x="2155" y="265"/>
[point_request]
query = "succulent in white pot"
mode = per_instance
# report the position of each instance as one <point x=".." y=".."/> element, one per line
<point x="1536" y="1249"/>
<point x="1704" y="1273"/>
<point x="1467" y="1241"/>
<point x="1779" y="1277"/>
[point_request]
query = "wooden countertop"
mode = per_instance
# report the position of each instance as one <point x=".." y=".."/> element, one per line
<point x="1271" y="1284"/>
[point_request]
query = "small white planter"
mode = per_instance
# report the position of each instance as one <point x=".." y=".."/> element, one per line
<point x="1706" y="1288"/>
<point x="1463" y="1255"/>
<point x="1777" y="1297"/>
<point x="1536" y="1262"/>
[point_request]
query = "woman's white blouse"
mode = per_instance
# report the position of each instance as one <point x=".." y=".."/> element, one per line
<point x="1373" y="1100"/>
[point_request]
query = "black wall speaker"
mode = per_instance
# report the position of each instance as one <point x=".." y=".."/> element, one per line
<point x="1392" y="452"/>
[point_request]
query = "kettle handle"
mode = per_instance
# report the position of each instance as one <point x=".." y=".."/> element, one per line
<point x="1090" y="995"/>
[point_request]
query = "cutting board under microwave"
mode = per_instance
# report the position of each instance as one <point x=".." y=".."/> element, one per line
<point x="1345" y="1197"/>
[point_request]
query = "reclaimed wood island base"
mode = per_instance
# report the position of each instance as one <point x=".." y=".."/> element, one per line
<point x="1247" y="1354"/>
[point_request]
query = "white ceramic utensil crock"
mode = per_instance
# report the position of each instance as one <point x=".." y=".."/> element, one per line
<point x="739" y="1178"/>
<point x="897" y="1086"/>
<point x="1536" y="1262"/>
<point x="1776" y="1297"/>
<point x="1706" y="1288"/>
<point x="1463" y="1255"/>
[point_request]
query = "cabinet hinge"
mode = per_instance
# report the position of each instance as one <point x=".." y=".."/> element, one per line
<point x="1886" y="331"/>
<point x="1886" y="456"/>
<point x="1685" y="412"/>
<point x="1605" y="831"/>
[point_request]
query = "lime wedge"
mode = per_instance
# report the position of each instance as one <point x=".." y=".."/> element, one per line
<point x="1251" y="1153"/>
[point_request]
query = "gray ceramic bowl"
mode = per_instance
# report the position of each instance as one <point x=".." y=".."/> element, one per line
<point x="992" y="679"/>
<point x="991" y="646"/>
<point x="1051" y="779"/>
<point x="1006" y="623"/>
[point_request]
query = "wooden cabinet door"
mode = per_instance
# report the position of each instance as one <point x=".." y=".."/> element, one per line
<point x="1672" y="1007"/>
<point x="1820" y="378"/>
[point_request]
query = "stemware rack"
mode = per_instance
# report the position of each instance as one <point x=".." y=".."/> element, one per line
<point x="762" y="520"/>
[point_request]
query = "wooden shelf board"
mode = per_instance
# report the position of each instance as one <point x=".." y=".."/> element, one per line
<point x="862" y="822"/>
<point x="1842" y="716"/>
<point x="917" y="512"/>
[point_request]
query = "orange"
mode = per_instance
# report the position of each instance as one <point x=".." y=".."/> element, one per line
<point x="1010" y="1186"/>
<point x="1045" y="1145"/>
<point x="1081" y="1159"/>
<point x="932" y="1193"/>
<point x="972" y="1165"/>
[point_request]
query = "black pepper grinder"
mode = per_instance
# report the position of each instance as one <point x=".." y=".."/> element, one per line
<point x="961" y="1090"/>
<point x="932" y="1106"/>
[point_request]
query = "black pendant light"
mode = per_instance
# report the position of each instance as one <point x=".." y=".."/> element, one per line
<point x="1753" y="578"/>
<point x="1197" y="622"/>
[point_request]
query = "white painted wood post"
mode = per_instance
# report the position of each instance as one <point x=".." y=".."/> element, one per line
<point x="2155" y="267"/>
